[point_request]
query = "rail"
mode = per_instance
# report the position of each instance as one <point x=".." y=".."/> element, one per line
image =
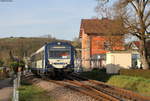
<point x="114" y="91"/>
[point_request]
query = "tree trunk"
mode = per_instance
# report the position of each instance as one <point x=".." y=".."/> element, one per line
<point x="143" y="54"/>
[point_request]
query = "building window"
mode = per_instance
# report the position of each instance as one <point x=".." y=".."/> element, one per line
<point x="106" y="46"/>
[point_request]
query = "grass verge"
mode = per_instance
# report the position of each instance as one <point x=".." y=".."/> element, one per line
<point x="136" y="84"/>
<point x="136" y="73"/>
<point x="29" y="92"/>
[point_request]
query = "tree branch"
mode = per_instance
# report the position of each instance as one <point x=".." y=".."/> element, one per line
<point x="134" y="6"/>
<point x="148" y="25"/>
<point x="145" y="3"/>
<point x="148" y="14"/>
<point x="135" y="34"/>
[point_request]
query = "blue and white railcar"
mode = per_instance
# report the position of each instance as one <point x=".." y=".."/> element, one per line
<point x="52" y="58"/>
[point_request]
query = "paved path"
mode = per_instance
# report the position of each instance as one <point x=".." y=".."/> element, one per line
<point x="6" y="90"/>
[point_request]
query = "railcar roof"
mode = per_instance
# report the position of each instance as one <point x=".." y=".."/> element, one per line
<point x="59" y="43"/>
<point x="51" y="43"/>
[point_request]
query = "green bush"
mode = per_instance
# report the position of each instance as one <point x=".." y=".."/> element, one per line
<point x="1" y="63"/>
<point x="14" y="64"/>
<point x="135" y="72"/>
<point x="21" y="64"/>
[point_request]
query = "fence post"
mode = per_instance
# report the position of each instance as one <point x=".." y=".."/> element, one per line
<point x="18" y="79"/>
<point x="17" y="95"/>
<point x="14" y="89"/>
<point x="16" y="85"/>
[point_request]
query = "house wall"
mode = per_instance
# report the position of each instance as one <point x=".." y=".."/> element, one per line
<point x="117" y="42"/>
<point x="97" y="45"/>
<point x="85" y="50"/>
<point x="115" y="61"/>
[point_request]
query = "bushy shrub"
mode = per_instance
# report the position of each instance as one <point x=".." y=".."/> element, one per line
<point x="21" y="64"/>
<point x="14" y="64"/>
<point x="1" y="63"/>
<point x="135" y="72"/>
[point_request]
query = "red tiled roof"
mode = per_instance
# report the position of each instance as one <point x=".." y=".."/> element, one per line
<point x="99" y="26"/>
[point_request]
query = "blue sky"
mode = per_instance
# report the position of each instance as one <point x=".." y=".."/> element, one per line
<point x="29" y="18"/>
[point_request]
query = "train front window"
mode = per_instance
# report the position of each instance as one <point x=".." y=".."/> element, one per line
<point x="59" y="54"/>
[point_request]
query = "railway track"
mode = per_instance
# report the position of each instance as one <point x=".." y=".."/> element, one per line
<point x="97" y="90"/>
<point x="121" y="94"/>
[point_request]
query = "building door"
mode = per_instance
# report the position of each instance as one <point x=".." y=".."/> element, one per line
<point x="112" y="59"/>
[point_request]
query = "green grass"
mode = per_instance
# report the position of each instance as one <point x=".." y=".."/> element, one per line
<point x="33" y="93"/>
<point x="136" y="73"/>
<point x="136" y="84"/>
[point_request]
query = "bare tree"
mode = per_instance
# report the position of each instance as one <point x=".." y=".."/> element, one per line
<point x="77" y="44"/>
<point x="115" y="28"/>
<point x="135" y="15"/>
<point x="104" y="10"/>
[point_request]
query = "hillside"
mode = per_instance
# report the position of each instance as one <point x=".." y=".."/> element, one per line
<point x="21" y="46"/>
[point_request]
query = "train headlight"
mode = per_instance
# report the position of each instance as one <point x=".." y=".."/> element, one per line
<point x="58" y="43"/>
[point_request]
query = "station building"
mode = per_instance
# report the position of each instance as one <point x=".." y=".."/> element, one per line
<point x="98" y="37"/>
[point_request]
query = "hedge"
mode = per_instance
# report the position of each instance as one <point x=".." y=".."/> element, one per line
<point x="97" y="74"/>
<point x="135" y="72"/>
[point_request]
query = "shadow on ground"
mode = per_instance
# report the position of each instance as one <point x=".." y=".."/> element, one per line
<point x="97" y="74"/>
<point x="5" y="83"/>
